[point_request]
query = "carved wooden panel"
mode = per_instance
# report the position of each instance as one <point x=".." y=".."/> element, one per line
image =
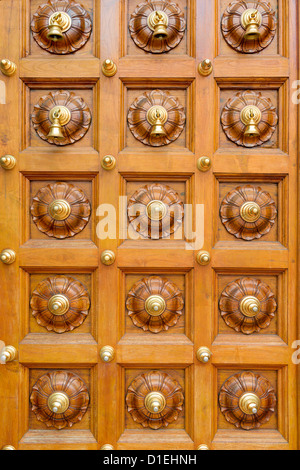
<point x="247" y="305"/>
<point x="155" y="211"/>
<point x="73" y="115"/>
<point x="249" y="26"/>
<point x="157" y="26"/>
<point x="248" y="212"/>
<point x="59" y="399"/>
<point x="155" y="304"/>
<point x="72" y="24"/>
<point x="60" y="304"/>
<point x="154" y="400"/>
<point x="156" y="118"/>
<point x="249" y="119"/>
<point x="60" y="210"/>
<point x="247" y="400"/>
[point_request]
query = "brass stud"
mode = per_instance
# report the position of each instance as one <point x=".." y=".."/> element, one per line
<point x="107" y="447"/>
<point x="58" y="402"/>
<point x="203" y="258"/>
<point x="108" y="162"/>
<point x="8" y="447"/>
<point x="108" y="257"/>
<point x="249" y="403"/>
<point x="155" y="305"/>
<point x="155" y="402"/>
<point x="205" y="68"/>
<point x="8" y="256"/>
<point x="8" y="162"/>
<point x="250" y="212"/>
<point x="156" y="210"/>
<point x="204" y="355"/>
<point x="203" y="447"/>
<point x="7" y="67"/>
<point x="107" y="354"/>
<point x="250" y="306"/>
<point x="8" y="354"/>
<point x="109" y="68"/>
<point x="58" y="305"/>
<point x="204" y="164"/>
<point x="59" y="209"/>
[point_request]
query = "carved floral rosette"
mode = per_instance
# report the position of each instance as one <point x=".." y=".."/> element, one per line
<point x="146" y="289"/>
<point x="233" y="126"/>
<point x="75" y="129"/>
<point x="154" y="382"/>
<point x="77" y="299"/>
<point x="74" y="38"/>
<point x="233" y="314"/>
<point x="141" y="128"/>
<point x="138" y="211"/>
<point x="230" y="212"/>
<point x="75" y="222"/>
<point x="234" y="32"/>
<point x="142" y="34"/>
<point x="232" y="391"/>
<point x="67" y="383"/>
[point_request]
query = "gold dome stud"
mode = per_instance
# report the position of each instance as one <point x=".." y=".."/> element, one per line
<point x="108" y="162"/>
<point x="203" y="447"/>
<point x="59" y="209"/>
<point x="107" y="354"/>
<point x="108" y="257"/>
<point x="109" y="68"/>
<point x="8" y="354"/>
<point x="204" y="164"/>
<point x="58" y="304"/>
<point x="203" y="258"/>
<point x="250" y="211"/>
<point x="8" y="162"/>
<point x="205" y="67"/>
<point x="250" y="306"/>
<point x="251" y="117"/>
<point x="8" y="447"/>
<point x="158" y="22"/>
<point x="204" y="355"/>
<point x="249" y="403"/>
<point x="107" y="447"/>
<point x="155" y="402"/>
<point x="8" y="256"/>
<point x="157" y="117"/>
<point x="155" y="305"/>
<point x="58" y="402"/>
<point x="156" y="210"/>
<point x="251" y="21"/>
<point x="7" y="67"/>
<point x="59" y="23"/>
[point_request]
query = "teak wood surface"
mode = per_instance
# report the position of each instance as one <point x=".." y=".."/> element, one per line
<point x="273" y="259"/>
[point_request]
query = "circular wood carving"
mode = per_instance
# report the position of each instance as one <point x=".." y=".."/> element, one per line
<point x="248" y="212"/>
<point x="155" y="211"/>
<point x="72" y="387"/>
<point x="170" y="399"/>
<point x="156" y="118"/>
<point x="74" y="129"/>
<point x="235" y="127"/>
<point x="74" y="38"/>
<point x="157" y="26"/>
<point x="234" y="31"/>
<point x="247" y="305"/>
<point x="235" y="388"/>
<point x="60" y="303"/>
<point x="60" y="210"/>
<point x="155" y="304"/>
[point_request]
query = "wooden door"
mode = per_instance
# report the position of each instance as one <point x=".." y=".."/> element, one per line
<point x="151" y="292"/>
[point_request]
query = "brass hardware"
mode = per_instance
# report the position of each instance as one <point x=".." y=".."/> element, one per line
<point x="59" y="116"/>
<point x="59" y="23"/>
<point x="155" y="305"/>
<point x="206" y="67"/>
<point x="249" y="403"/>
<point x="58" y="304"/>
<point x="8" y="256"/>
<point x="156" y="210"/>
<point x="8" y="162"/>
<point x="7" y="67"/>
<point x="155" y="402"/>
<point x="157" y="117"/>
<point x="251" y="21"/>
<point x="108" y="257"/>
<point x="107" y="353"/>
<point x="109" y="68"/>
<point x="204" y="164"/>
<point x="158" y="22"/>
<point x="250" y="212"/>
<point x="58" y="402"/>
<point x="8" y="354"/>
<point x="59" y="209"/>
<point x="108" y="162"/>
<point x="8" y="447"/>
<point x="203" y="447"/>
<point x="251" y="117"/>
<point x="107" y="447"/>
<point x="203" y="258"/>
<point x="204" y="355"/>
<point x="250" y="306"/>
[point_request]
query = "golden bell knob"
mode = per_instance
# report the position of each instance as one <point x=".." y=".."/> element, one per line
<point x="55" y="32"/>
<point x="56" y="130"/>
<point x="252" y="129"/>
<point x="251" y="21"/>
<point x="160" y="32"/>
<point x="158" y="130"/>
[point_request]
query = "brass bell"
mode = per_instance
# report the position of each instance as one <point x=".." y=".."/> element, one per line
<point x="157" y="117"/>
<point x="158" y="129"/>
<point x="158" y="21"/>
<point x="55" y="32"/>
<point x="252" y="129"/>
<point x="251" y="117"/>
<point x="252" y="20"/>
<point x="56" y="127"/>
